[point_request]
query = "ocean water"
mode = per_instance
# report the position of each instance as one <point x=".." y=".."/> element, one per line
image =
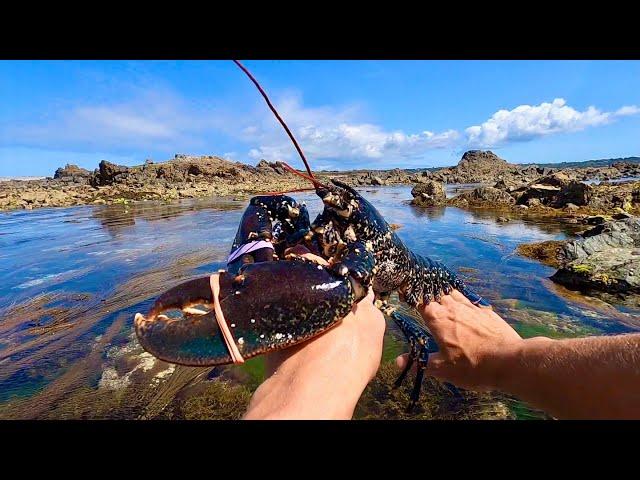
<point x="71" y="280"/>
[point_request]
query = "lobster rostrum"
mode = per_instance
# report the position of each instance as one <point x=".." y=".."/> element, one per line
<point x="289" y="280"/>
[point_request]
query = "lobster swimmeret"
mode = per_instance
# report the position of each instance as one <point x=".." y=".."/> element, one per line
<point x="269" y="299"/>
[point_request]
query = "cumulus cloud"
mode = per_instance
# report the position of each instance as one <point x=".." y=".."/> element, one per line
<point x="527" y="122"/>
<point x="161" y="120"/>
<point x="332" y="133"/>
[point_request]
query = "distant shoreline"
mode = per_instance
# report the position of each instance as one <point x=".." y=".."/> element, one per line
<point x="186" y="176"/>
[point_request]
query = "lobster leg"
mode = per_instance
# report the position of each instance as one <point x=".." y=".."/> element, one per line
<point x="422" y="345"/>
<point x="357" y="262"/>
<point x="412" y="355"/>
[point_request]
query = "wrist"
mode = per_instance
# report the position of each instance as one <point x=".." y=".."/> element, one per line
<point x="507" y="362"/>
<point x="307" y="386"/>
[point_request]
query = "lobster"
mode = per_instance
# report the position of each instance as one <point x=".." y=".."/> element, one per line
<point x="272" y="296"/>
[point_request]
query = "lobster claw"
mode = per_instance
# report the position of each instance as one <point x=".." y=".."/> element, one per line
<point x="192" y="339"/>
<point x="309" y="298"/>
<point x="269" y="225"/>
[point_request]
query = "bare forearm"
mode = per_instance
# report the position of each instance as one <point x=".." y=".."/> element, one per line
<point x="303" y="388"/>
<point x="594" y="377"/>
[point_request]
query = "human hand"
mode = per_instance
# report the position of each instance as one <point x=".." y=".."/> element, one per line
<point x="324" y="377"/>
<point x="471" y="339"/>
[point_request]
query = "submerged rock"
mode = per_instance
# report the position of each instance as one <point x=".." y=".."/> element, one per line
<point x="547" y="252"/>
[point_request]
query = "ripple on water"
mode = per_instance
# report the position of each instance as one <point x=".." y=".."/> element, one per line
<point x="121" y="257"/>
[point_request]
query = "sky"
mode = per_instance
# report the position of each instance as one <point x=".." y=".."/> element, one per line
<point x="345" y="114"/>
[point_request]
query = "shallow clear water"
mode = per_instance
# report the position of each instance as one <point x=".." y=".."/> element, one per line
<point x="71" y="280"/>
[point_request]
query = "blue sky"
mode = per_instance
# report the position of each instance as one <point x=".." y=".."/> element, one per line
<point x="345" y="114"/>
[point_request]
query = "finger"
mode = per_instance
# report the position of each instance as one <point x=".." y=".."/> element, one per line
<point x="432" y="312"/>
<point x="315" y="258"/>
<point x="436" y="366"/>
<point x="459" y="297"/>
<point x="297" y="249"/>
<point x="402" y="360"/>
<point x="366" y="301"/>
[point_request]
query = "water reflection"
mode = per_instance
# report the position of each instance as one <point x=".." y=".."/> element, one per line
<point x="431" y="213"/>
<point x="72" y="279"/>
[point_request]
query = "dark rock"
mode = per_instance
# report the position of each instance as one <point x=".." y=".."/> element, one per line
<point x="484" y="196"/>
<point x="556" y="190"/>
<point x="621" y="215"/>
<point x="594" y="220"/>
<point x="72" y="173"/>
<point x="107" y="173"/>
<point x="429" y="194"/>
<point x="502" y="219"/>
<point x="604" y="259"/>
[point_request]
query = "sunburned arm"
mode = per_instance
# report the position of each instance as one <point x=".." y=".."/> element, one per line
<point x="593" y="377"/>
<point x="597" y="377"/>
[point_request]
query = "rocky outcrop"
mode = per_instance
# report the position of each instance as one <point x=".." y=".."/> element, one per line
<point x="486" y="197"/>
<point x="555" y="190"/>
<point x="182" y="177"/>
<point x="606" y="259"/>
<point x="72" y="173"/>
<point x="485" y="167"/>
<point x="107" y="173"/>
<point x="357" y="178"/>
<point x="429" y="194"/>
<point x="532" y="188"/>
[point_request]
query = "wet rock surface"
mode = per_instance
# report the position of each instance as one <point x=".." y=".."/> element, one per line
<point x="429" y="194"/>
<point x="605" y="259"/>
<point x="483" y="196"/>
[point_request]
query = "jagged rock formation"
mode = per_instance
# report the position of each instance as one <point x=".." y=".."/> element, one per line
<point x="429" y="194"/>
<point x="72" y="173"/>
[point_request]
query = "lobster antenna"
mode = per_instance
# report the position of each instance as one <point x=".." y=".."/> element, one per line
<point x="275" y="112"/>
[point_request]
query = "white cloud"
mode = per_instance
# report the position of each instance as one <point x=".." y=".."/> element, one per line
<point x="627" y="110"/>
<point x="527" y="122"/>
<point x="161" y="121"/>
<point x="336" y="133"/>
<point x="151" y="120"/>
